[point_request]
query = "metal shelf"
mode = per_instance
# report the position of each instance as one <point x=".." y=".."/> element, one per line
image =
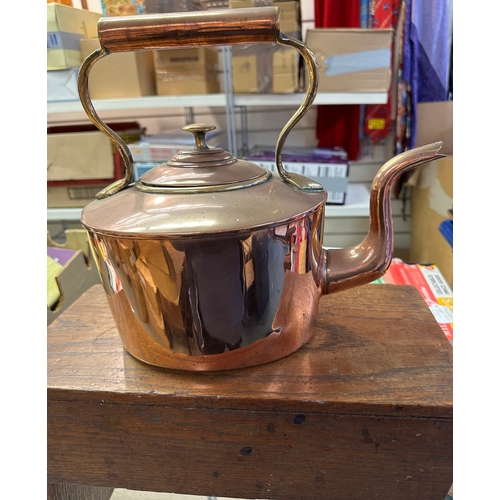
<point x="321" y="98"/>
<point x="65" y="111"/>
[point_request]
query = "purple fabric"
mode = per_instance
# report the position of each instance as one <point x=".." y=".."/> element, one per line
<point x="426" y="55"/>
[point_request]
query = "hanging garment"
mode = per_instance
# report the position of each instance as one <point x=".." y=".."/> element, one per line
<point x="426" y="55"/>
<point x="403" y="101"/>
<point x="337" y="125"/>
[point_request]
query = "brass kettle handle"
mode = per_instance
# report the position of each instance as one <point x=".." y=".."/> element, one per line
<point x="189" y="29"/>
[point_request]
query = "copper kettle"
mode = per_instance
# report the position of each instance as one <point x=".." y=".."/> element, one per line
<point x="214" y="263"/>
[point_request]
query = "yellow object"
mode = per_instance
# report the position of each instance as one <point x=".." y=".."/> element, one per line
<point x="53" y="292"/>
<point x="65" y="27"/>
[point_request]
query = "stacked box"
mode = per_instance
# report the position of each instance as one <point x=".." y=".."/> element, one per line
<point x="268" y="68"/>
<point x="329" y="167"/>
<point x="164" y="6"/>
<point x="81" y="161"/>
<point x="66" y="26"/>
<point x="186" y="71"/>
<point x="352" y="59"/>
<point x="120" y="75"/>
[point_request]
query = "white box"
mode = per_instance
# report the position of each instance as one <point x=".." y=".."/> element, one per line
<point x="62" y="85"/>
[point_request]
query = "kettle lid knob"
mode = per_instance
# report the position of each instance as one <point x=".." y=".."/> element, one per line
<point x="199" y="130"/>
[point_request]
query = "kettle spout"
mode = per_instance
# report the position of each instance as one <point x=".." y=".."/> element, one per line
<point x="345" y="268"/>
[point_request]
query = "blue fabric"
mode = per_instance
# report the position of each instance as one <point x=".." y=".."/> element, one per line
<point x="365" y="8"/>
<point x="426" y="55"/>
<point x="446" y="229"/>
<point x="358" y="61"/>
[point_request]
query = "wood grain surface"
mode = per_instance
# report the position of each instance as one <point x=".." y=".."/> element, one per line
<point x="363" y="410"/>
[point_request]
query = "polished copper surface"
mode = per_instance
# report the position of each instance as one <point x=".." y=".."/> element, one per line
<point x="189" y="29"/>
<point x="214" y="304"/>
<point x="202" y="167"/>
<point x="349" y="267"/>
<point x="213" y="263"/>
<point x="133" y="213"/>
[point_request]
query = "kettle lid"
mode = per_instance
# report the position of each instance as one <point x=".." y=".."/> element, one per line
<point x="200" y="192"/>
<point x="201" y="169"/>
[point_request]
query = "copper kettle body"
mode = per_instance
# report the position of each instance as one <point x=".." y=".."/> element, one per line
<point x="211" y="263"/>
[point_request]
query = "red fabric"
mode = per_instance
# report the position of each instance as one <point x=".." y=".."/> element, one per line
<point x="337" y="125"/>
<point x="378" y="117"/>
<point x="337" y="13"/>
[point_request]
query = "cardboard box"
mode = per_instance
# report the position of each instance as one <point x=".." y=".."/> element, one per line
<point x="285" y="72"/>
<point x="120" y="75"/>
<point x="352" y="59"/>
<point x="289" y="15"/>
<point x="62" y="85"/>
<point x="289" y="11"/>
<point x="186" y="71"/>
<point x="431" y="199"/>
<point x="435" y="123"/>
<point x="72" y="275"/>
<point x="432" y="286"/>
<point x="246" y="4"/>
<point x="163" y="6"/>
<point x="73" y="196"/>
<point x="265" y="68"/>
<point x="432" y="190"/>
<point x="328" y="167"/>
<point x="66" y="26"/>
<point x="79" y="156"/>
<point x="76" y="154"/>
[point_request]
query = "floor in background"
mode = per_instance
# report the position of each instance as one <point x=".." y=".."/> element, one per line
<point x="120" y="494"/>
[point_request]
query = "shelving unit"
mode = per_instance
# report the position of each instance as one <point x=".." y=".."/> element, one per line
<point x="68" y="111"/>
<point x="357" y="200"/>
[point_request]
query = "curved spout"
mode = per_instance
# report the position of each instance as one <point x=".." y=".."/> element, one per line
<point x="345" y="268"/>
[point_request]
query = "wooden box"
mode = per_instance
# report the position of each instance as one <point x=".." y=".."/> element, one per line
<point x="362" y="411"/>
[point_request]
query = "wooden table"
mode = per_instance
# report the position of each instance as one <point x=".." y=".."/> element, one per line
<point x="362" y="411"/>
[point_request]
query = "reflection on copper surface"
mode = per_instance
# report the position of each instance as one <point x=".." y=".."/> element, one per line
<point x="197" y="296"/>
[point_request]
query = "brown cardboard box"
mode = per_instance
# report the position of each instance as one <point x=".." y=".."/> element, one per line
<point x="186" y="71"/>
<point x="432" y="190"/>
<point x="76" y="196"/>
<point x="262" y="69"/>
<point x="435" y="123"/>
<point x="66" y="26"/>
<point x="78" y="156"/>
<point x="289" y="15"/>
<point x="120" y="75"/>
<point x="78" y="274"/>
<point x="267" y="68"/>
<point x="285" y="70"/>
<point x="247" y="67"/>
<point x="352" y="59"/>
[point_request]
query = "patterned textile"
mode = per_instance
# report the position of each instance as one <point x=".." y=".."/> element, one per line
<point x="403" y="100"/>
<point x="378" y="118"/>
<point x="426" y="55"/>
